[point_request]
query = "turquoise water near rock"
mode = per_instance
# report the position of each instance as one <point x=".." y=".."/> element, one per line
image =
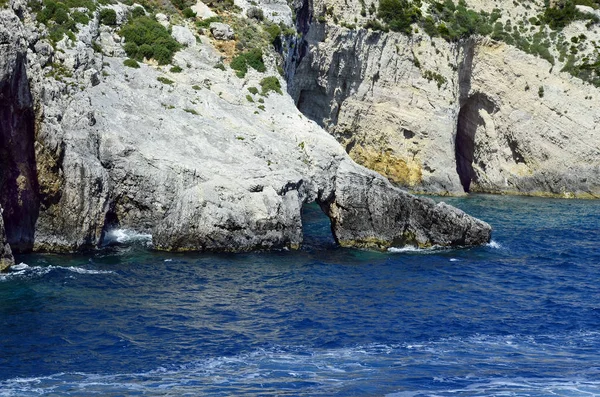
<point x="519" y="317"/>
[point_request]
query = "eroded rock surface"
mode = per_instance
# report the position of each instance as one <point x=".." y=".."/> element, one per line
<point x="190" y="159"/>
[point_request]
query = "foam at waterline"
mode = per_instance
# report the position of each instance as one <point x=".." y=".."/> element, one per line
<point x="24" y="270"/>
<point x="410" y="248"/>
<point x="127" y="236"/>
<point x="494" y="244"/>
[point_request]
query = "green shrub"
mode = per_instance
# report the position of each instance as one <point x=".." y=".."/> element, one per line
<point x="165" y="80"/>
<point x="191" y="111"/>
<point x="219" y="66"/>
<point x="182" y="4"/>
<point x="132" y="63"/>
<point x="399" y="14"/>
<point x="249" y="98"/>
<point x="205" y="23"/>
<point x="144" y="51"/>
<point x="222" y="5"/>
<point x="108" y="16"/>
<point x="269" y="84"/>
<point x="438" y="78"/>
<point x="189" y="13"/>
<point x="564" y="13"/>
<point x="253" y="90"/>
<point x="80" y="17"/>
<point x="146" y="31"/>
<point x="162" y="54"/>
<point x="541" y="92"/>
<point x="131" y="49"/>
<point x="273" y="30"/>
<point x="255" y="13"/>
<point x="176" y="69"/>
<point x="252" y="58"/>
<point x="138" y="12"/>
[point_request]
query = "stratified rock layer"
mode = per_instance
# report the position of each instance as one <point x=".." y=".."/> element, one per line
<point x="449" y="118"/>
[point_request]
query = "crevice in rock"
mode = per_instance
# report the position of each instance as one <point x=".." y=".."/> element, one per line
<point x="19" y="192"/>
<point x="469" y="119"/>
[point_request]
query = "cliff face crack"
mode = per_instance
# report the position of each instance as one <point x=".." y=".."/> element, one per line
<point x="469" y="120"/>
<point x="19" y="194"/>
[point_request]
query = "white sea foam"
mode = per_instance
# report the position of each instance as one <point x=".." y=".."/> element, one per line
<point x="23" y="270"/>
<point x="127" y="236"/>
<point x="494" y="244"/>
<point x="534" y="387"/>
<point x="410" y="248"/>
<point x="325" y="371"/>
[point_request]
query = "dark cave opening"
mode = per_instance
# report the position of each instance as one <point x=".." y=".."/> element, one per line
<point x="469" y="119"/>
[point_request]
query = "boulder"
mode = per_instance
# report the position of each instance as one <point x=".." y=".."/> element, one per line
<point x="183" y="36"/>
<point x="202" y="10"/>
<point x="163" y="19"/>
<point x="221" y="31"/>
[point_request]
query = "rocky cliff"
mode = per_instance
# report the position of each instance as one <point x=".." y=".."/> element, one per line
<point x="452" y="116"/>
<point x="193" y="154"/>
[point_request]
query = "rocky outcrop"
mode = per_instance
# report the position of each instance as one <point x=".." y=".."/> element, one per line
<point x="195" y="160"/>
<point x="6" y="258"/>
<point x="366" y="211"/>
<point x="449" y="118"/>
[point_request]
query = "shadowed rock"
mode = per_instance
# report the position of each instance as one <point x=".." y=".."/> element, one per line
<point x="6" y="258"/>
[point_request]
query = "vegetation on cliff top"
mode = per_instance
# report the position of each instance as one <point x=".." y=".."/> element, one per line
<point x="540" y="35"/>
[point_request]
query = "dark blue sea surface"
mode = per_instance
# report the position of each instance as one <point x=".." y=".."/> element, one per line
<point x="518" y="317"/>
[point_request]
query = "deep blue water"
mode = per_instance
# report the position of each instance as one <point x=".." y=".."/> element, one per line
<point x="519" y="317"/>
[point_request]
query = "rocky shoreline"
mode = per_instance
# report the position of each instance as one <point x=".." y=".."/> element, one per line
<point x="90" y="145"/>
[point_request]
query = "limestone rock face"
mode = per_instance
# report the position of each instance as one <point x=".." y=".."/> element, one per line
<point x="449" y="118"/>
<point x="186" y="157"/>
<point x="6" y="258"/>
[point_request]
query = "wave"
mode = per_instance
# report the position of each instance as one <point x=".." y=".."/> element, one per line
<point x="510" y="387"/>
<point x="23" y="270"/>
<point x="412" y="249"/>
<point x="477" y="365"/>
<point x="494" y="244"/>
<point x="127" y="236"/>
<point x="436" y="248"/>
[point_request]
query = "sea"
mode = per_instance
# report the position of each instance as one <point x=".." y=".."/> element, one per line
<point x="519" y="316"/>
